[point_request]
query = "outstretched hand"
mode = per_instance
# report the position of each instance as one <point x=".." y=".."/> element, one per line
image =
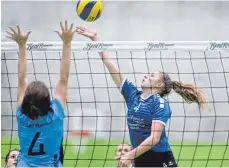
<point x="19" y="37"/>
<point x="67" y="33"/>
<point x="86" y="32"/>
<point x="125" y="160"/>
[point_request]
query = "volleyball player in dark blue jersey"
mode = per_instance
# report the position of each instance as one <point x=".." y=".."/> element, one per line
<point x="40" y="120"/>
<point x="148" y="112"/>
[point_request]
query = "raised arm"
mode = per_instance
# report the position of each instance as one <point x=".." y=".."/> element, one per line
<point x="116" y="75"/>
<point x="62" y="83"/>
<point x="20" y="39"/>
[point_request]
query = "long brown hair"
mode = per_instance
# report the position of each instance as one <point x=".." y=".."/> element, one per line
<point x="36" y="101"/>
<point x="189" y="92"/>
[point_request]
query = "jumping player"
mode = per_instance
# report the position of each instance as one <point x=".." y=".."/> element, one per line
<point x="40" y="120"/>
<point x="148" y="112"/>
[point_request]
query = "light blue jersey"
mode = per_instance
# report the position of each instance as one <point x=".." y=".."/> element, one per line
<point x="142" y="112"/>
<point x="40" y="140"/>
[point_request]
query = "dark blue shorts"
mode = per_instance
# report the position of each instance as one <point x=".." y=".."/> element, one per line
<point x="156" y="159"/>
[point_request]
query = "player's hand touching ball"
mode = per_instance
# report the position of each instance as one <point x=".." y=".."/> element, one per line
<point x="92" y="34"/>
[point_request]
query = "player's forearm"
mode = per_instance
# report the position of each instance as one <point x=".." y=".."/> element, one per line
<point x="65" y="62"/>
<point x="144" y="146"/>
<point x="22" y="64"/>
<point x="104" y="55"/>
<point x="111" y="66"/>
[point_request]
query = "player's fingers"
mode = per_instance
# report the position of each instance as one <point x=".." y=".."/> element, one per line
<point x="9" y="33"/>
<point x="120" y="163"/>
<point x="66" y="25"/>
<point x="27" y="35"/>
<point x="19" y="30"/>
<point x="12" y="30"/>
<point x="58" y="33"/>
<point x="62" y="27"/>
<point x="84" y="34"/>
<point x="117" y="157"/>
<point x="123" y="164"/>
<point x="80" y="28"/>
<point x="75" y="31"/>
<point x="80" y="33"/>
<point x="71" y="27"/>
<point x="9" y="37"/>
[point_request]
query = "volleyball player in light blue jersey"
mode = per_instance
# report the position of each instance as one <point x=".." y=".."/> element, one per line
<point x="40" y="120"/>
<point x="148" y="112"/>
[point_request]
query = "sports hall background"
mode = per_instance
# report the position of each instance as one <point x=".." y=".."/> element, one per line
<point x="128" y="21"/>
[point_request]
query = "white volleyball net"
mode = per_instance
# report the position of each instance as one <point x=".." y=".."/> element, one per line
<point x="96" y="111"/>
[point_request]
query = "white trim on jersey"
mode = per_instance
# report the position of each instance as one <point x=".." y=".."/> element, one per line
<point x="159" y="121"/>
<point x="123" y="81"/>
<point x="145" y="97"/>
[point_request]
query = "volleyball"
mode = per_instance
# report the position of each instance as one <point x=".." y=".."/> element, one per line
<point x="89" y="10"/>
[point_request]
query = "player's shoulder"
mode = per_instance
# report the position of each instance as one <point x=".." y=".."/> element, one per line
<point x="55" y="103"/>
<point x="127" y="81"/>
<point x="128" y="85"/>
<point x="18" y="111"/>
<point x="160" y="99"/>
<point x="21" y="118"/>
<point x="161" y="102"/>
<point x="57" y="108"/>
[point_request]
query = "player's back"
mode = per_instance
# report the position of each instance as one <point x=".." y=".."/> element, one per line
<point x="40" y="140"/>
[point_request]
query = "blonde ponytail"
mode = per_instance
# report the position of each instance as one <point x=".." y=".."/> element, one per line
<point x="190" y="93"/>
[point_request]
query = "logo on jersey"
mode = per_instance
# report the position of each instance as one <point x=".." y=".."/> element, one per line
<point x="137" y="107"/>
<point x="164" y="165"/>
<point x="136" y="123"/>
<point x="162" y="103"/>
<point x="170" y="163"/>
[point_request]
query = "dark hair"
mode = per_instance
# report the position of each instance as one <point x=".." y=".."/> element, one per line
<point x="36" y="101"/>
<point x="189" y="92"/>
<point x="8" y="154"/>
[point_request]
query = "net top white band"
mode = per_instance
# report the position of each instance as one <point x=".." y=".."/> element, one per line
<point x="122" y="45"/>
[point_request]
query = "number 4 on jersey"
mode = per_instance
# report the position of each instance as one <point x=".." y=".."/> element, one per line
<point x="41" y="149"/>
